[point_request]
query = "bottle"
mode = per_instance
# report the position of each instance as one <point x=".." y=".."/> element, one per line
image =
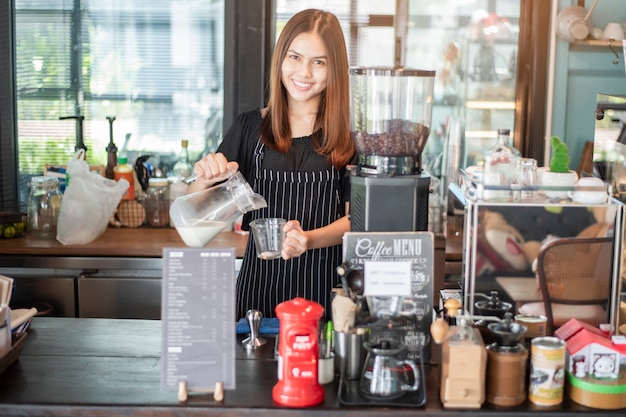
<point x="111" y="161"/>
<point x="182" y="167"/>
<point x="124" y="170"/>
<point x="157" y="202"/>
<point x="501" y="165"/>
<point x="44" y="205"/>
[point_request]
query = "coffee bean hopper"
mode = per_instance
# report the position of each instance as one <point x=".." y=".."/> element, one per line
<point x="391" y="111"/>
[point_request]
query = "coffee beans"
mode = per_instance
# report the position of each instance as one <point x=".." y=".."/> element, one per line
<point x="399" y="137"/>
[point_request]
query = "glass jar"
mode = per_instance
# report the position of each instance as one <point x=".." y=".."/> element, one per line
<point x="157" y="202"/>
<point x="44" y="205"/>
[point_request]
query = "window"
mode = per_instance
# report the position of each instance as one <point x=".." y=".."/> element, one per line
<point x="367" y="26"/>
<point x="156" y="66"/>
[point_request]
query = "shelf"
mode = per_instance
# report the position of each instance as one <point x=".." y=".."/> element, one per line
<point x="599" y="42"/>
<point x="474" y="190"/>
<point x="615" y="46"/>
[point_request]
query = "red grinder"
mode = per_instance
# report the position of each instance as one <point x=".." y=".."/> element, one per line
<point x="298" y="353"/>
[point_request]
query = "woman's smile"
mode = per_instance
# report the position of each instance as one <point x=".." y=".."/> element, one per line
<point x="302" y="85"/>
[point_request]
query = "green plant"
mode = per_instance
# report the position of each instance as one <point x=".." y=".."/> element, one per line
<point x="560" y="156"/>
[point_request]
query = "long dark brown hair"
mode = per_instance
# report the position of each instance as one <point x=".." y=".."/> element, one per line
<point x="333" y="115"/>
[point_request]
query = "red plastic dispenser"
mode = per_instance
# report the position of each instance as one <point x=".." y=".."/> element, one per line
<point x="298" y="353"/>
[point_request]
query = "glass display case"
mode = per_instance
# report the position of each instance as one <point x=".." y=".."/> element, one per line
<point x="503" y="238"/>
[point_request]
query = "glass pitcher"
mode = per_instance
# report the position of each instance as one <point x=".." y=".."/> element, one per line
<point x="200" y="216"/>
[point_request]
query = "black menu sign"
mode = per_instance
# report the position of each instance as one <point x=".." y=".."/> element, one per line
<point x="198" y="318"/>
<point x="397" y="265"/>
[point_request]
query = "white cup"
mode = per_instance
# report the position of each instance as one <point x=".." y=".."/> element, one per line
<point x="590" y="196"/>
<point x="597" y="33"/>
<point x="613" y="31"/>
<point x="326" y="370"/>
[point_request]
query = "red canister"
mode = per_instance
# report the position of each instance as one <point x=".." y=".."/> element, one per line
<point x="298" y="354"/>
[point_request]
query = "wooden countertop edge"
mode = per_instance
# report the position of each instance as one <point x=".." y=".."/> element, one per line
<point x="142" y="242"/>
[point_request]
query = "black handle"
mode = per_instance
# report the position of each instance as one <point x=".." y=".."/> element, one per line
<point x="80" y="144"/>
<point x="111" y="147"/>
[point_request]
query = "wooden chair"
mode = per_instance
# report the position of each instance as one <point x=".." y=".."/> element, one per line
<point x="574" y="278"/>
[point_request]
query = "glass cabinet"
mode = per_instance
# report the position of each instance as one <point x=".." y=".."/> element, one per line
<point x="503" y="238"/>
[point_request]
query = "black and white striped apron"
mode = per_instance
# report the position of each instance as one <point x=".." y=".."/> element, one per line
<point x="314" y="199"/>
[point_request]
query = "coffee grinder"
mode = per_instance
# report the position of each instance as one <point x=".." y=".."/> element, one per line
<point x="506" y="363"/>
<point x="391" y="111"/>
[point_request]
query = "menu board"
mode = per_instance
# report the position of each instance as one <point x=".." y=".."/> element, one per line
<point x="397" y="264"/>
<point x="198" y="318"/>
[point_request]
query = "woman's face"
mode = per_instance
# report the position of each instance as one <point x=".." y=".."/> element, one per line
<point x="305" y="68"/>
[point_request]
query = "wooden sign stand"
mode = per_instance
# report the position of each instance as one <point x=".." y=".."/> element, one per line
<point x="218" y="391"/>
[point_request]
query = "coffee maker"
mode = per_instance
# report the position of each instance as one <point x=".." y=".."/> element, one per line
<point x="391" y="111"/>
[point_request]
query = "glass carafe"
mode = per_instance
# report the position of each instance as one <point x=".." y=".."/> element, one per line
<point x="200" y="216"/>
<point x="385" y="374"/>
<point x="501" y="166"/>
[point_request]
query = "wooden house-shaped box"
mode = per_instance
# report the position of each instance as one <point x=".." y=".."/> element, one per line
<point x="590" y="351"/>
<point x="593" y="366"/>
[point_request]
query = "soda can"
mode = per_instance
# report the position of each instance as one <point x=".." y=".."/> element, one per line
<point x="547" y="370"/>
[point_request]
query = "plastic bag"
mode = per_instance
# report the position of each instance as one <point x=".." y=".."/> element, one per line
<point x="88" y="203"/>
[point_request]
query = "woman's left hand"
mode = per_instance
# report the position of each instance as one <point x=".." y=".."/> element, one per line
<point x="296" y="241"/>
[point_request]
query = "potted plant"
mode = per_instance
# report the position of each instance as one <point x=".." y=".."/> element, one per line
<point x="558" y="173"/>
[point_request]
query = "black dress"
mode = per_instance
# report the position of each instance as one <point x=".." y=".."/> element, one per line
<point x="301" y="185"/>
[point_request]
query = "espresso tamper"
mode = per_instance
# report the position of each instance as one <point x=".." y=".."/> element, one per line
<point x="254" y="318"/>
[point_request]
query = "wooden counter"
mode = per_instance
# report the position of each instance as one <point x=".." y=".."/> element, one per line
<point x="143" y="242"/>
<point x="108" y="368"/>
<point x="117" y="275"/>
<point x="136" y="252"/>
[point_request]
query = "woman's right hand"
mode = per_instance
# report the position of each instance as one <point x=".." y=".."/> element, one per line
<point x="213" y="168"/>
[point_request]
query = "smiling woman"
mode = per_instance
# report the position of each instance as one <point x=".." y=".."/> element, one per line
<point x="294" y="153"/>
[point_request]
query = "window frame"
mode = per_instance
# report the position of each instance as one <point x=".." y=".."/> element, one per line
<point x="8" y="122"/>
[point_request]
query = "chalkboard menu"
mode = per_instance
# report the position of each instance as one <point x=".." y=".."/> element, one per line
<point x="397" y="265"/>
<point x="198" y="318"/>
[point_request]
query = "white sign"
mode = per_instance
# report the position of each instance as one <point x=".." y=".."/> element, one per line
<point x="387" y="278"/>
